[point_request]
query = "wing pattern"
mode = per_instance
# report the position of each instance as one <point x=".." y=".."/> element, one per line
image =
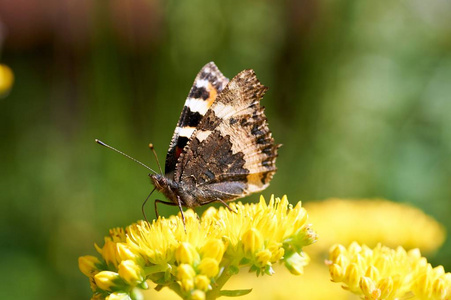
<point x="231" y="153"/>
<point x="208" y="84"/>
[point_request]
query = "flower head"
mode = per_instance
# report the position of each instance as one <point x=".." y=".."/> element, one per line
<point x="384" y="273"/>
<point x="197" y="262"/>
<point x="378" y="221"/>
<point x="6" y="79"/>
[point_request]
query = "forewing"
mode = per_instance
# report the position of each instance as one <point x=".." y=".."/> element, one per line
<point x="232" y="151"/>
<point x="208" y="84"/>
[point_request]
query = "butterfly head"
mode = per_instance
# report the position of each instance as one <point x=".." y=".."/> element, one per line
<point x="164" y="185"/>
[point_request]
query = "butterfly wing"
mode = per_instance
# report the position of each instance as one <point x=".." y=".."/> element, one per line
<point x="208" y="84"/>
<point x="232" y="152"/>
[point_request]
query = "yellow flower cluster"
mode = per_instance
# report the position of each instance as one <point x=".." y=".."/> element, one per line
<point x="384" y="273"/>
<point x="197" y="262"/>
<point x="377" y="220"/>
<point x="6" y="79"/>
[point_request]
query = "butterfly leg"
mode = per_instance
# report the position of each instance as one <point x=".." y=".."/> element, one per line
<point x="144" y="203"/>
<point x="181" y="211"/>
<point x="179" y="204"/>
<point x="226" y="205"/>
<point x="163" y="202"/>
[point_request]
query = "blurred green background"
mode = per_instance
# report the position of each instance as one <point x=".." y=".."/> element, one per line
<point x="360" y="97"/>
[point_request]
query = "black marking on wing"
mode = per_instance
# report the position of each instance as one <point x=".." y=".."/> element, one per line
<point x="199" y="93"/>
<point x="189" y="118"/>
<point x="181" y="142"/>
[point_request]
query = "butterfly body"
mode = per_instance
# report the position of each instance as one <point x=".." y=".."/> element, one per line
<point x="188" y="195"/>
<point x="222" y="148"/>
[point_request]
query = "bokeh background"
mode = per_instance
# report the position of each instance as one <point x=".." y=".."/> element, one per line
<point x="360" y="98"/>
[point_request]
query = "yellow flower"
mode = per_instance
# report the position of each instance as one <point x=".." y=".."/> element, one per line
<point x="378" y="221"/>
<point x="209" y="266"/>
<point x="119" y="296"/>
<point x="125" y="253"/>
<point x="89" y="265"/>
<point x="131" y="272"/>
<point x="108" y="280"/>
<point x="186" y="254"/>
<point x="252" y="241"/>
<point x="198" y="295"/>
<point x="384" y="273"/>
<point x="315" y="284"/>
<point x="296" y="263"/>
<point x="185" y="271"/>
<point x="198" y="261"/>
<point x="263" y="258"/>
<point x="202" y="282"/>
<point x="213" y="248"/>
<point x="6" y="79"/>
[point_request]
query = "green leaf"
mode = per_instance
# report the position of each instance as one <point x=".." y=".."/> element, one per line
<point x="234" y="293"/>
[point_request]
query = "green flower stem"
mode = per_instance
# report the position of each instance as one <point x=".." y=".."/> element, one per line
<point x="156" y="269"/>
<point x="177" y="289"/>
<point x="220" y="282"/>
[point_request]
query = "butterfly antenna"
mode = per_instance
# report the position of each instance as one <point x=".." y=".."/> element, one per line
<point x="128" y="156"/>
<point x="156" y="157"/>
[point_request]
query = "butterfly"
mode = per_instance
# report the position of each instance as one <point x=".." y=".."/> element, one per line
<point x="222" y="148"/>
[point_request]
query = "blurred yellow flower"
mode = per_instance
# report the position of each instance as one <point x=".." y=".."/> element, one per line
<point x="385" y="273"/>
<point x="371" y="222"/>
<point x="315" y="284"/>
<point x="196" y="263"/>
<point x="6" y="79"/>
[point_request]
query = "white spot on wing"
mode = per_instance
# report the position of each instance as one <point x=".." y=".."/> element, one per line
<point x="197" y="105"/>
<point x="202" y="83"/>
<point x="202" y="135"/>
<point x="184" y="131"/>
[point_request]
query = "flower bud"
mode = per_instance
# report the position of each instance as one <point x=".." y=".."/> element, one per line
<point x="209" y="267"/>
<point x="252" y="241"/>
<point x="132" y="273"/>
<point x="296" y="262"/>
<point x="107" y="280"/>
<point x="187" y="284"/>
<point x="373" y="273"/>
<point x="118" y="296"/>
<point x="352" y="276"/>
<point x="89" y="265"/>
<point x="125" y="253"/>
<point x="335" y="251"/>
<point x="369" y="288"/>
<point x="342" y="261"/>
<point x="263" y="257"/>
<point x="186" y="254"/>
<point x="202" y="282"/>
<point x="386" y="287"/>
<point x="214" y="248"/>
<point x="440" y="289"/>
<point x="185" y="271"/>
<point x="109" y="253"/>
<point x="198" y="295"/>
<point x="336" y="272"/>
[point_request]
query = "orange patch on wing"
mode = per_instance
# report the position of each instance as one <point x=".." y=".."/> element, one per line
<point x="213" y="94"/>
<point x="255" y="179"/>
